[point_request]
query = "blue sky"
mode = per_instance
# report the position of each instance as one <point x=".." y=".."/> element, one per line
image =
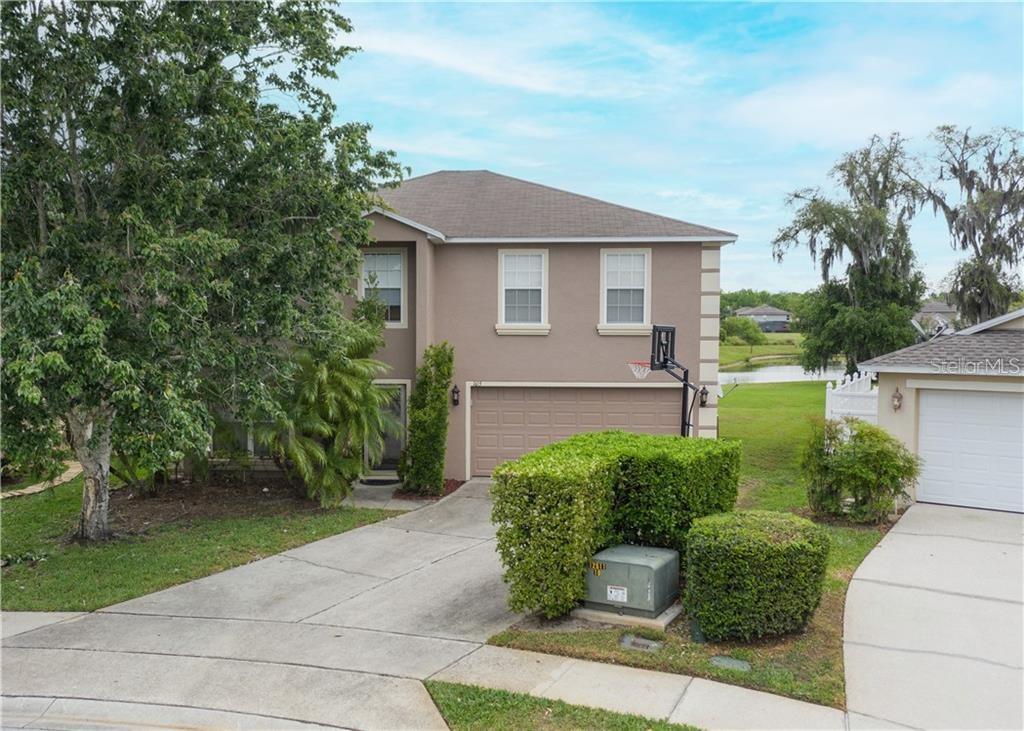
<point x="706" y="112"/>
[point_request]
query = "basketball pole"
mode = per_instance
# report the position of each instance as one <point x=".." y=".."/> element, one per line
<point x="670" y="367"/>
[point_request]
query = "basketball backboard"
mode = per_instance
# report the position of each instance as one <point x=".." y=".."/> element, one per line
<point x="663" y="346"/>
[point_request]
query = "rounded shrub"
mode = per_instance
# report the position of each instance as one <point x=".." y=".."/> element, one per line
<point x="856" y="470"/>
<point x="754" y="573"/>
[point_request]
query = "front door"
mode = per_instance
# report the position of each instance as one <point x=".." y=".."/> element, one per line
<point x="393" y="445"/>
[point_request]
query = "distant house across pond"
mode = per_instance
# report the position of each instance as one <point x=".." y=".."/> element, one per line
<point x="936" y="312"/>
<point x="769" y="319"/>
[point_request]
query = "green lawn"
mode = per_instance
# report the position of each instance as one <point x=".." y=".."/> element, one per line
<point x="49" y="573"/>
<point x="780" y="348"/>
<point x="773" y="422"/>
<point x="468" y="708"/>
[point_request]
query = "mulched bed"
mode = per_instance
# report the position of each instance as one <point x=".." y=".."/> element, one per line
<point x="226" y="494"/>
<point x="16" y="482"/>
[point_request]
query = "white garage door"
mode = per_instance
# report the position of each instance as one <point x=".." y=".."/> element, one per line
<point x="972" y="444"/>
<point x="507" y="422"/>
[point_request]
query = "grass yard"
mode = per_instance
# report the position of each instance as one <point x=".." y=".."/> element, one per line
<point x="47" y="572"/>
<point x="772" y="420"/>
<point x="781" y="348"/>
<point x="468" y="708"/>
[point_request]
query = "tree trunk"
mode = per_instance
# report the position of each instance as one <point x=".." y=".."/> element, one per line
<point x="90" y="438"/>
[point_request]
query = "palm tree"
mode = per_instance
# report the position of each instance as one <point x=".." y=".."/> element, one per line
<point x="334" y="415"/>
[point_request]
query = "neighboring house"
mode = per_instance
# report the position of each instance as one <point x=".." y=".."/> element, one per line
<point x="545" y="295"/>
<point x="958" y="401"/>
<point x="768" y="318"/>
<point x="936" y="313"/>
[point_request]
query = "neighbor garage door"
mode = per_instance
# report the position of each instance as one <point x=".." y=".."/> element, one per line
<point x="972" y="444"/>
<point x="507" y="422"/>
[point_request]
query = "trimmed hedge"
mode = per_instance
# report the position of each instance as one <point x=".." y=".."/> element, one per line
<point x="754" y="573"/>
<point x="559" y="505"/>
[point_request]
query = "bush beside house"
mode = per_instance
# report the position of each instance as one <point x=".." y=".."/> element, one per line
<point x="557" y="506"/>
<point x="421" y="466"/>
<point x="741" y="331"/>
<point x="754" y="573"/>
<point x="856" y="470"/>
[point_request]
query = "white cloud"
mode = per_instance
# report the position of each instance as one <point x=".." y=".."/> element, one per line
<point x="845" y="109"/>
<point x="562" y="50"/>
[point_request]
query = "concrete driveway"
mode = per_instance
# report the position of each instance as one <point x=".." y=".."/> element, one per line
<point x="337" y="633"/>
<point x="933" y="626"/>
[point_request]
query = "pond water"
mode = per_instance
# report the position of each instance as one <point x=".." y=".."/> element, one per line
<point x="778" y="374"/>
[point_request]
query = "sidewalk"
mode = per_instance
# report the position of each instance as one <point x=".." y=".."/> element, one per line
<point x="73" y="470"/>
<point x="663" y="696"/>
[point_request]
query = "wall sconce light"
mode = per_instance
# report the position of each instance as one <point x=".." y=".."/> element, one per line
<point x="455" y="395"/>
<point x="703" y="396"/>
<point x="897" y="400"/>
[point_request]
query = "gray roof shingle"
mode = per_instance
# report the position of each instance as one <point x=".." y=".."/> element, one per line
<point x="990" y="352"/>
<point x="479" y="204"/>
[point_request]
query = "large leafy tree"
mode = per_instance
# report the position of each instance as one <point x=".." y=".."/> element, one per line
<point x="871" y="285"/>
<point x="170" y="230"/>
<point x="985" y="215"/>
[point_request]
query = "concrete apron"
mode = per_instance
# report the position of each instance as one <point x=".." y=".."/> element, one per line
<point x="337" y="633"/>
<point x="933" y="622"/>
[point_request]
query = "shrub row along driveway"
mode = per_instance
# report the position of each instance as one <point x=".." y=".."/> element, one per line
<point x="336" y="633"/>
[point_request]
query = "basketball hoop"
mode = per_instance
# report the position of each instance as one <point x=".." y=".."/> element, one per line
<point x="641" y="368"/>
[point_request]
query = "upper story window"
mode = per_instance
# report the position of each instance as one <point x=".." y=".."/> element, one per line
<point x="626" y="288"/>
<point x="384" y="275"/>
<point x="523" y="279"/>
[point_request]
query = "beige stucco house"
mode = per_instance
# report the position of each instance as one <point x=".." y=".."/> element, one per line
<point x="958" y="402"/>
<point x="545" y="296"/>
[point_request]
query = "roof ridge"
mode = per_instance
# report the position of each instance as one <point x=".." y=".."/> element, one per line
<point x="597" y="200"/>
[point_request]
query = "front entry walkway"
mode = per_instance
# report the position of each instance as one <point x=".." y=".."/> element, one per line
<point x="933" y="626"/>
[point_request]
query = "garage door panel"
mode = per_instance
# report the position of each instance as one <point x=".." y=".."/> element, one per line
<point x="591" y="420"/>
<point x="513" y="417"/>
<point x="486" y="416"/>
<point x="617" y="420"/>
<point x="566" y="418"/>
<point x="485" y="440"/>
<point x="507" y="422"/>
<point x="972" y="447"/>
<point x="538" y="418"/>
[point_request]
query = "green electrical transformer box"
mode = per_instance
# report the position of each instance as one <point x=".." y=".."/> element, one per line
<point x="636" y="580"/>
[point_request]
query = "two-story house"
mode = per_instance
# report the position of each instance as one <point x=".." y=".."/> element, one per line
<point x="546" y="296"/>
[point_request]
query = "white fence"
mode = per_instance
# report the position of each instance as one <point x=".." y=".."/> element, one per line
<point x="852" y="396"/>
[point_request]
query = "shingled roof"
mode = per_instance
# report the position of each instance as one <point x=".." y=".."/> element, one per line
<point x="478" y="205"/>
<point x="762" y="310"/>
<point x="987" y="353"/>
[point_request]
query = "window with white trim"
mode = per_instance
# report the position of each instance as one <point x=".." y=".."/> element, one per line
<point x="523" y="279"/>
<point x="626" y="287"/>
<point x="384" y="276"/>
